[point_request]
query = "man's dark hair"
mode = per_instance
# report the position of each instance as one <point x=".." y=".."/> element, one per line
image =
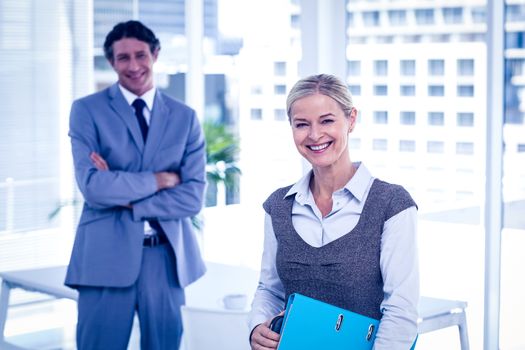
<point x="130" y="29"/>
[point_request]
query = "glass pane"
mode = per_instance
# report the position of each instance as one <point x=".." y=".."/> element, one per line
<point x="435" y="136"/>
<point x="38" y="80"/>
<point x="513" y="234"/>
<point x="257" y="77"/>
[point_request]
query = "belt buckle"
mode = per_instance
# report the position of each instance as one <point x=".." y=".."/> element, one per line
<point x="152" y="240"/>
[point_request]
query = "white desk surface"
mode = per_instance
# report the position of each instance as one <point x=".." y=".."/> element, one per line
<point x="207" y="292"/>
<point x="433" y="307"/>
<point x="49" y="280"/>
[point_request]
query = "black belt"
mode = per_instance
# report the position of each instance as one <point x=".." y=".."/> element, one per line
<point x="155" y="240"/>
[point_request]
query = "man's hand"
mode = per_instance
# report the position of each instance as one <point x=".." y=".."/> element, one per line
<point x="99" y="162"/>
<point x="263" y="338"/>
<point x="167" y="180"/>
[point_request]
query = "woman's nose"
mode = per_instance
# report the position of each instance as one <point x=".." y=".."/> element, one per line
<point x="314" y="132"/>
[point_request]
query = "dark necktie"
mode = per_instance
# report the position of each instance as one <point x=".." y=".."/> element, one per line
<point x="139" y="105"/>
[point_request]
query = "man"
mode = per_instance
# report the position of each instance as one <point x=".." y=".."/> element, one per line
<point x="141" y="168"/>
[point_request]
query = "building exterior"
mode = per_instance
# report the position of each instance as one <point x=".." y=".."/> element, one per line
<point x="418" y="71"/>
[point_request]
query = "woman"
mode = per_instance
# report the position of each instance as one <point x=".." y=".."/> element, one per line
<point x="338" y="235"/>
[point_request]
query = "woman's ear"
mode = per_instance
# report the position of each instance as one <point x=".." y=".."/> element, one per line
<point x="352" y="120"/>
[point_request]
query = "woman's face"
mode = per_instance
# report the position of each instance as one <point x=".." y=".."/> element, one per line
<point x="320" y="129"/>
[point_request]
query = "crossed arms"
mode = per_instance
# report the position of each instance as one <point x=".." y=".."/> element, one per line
<point x="165" y="195"/>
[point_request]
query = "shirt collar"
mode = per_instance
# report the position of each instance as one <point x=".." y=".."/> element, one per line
<point x="148" y="96"/>
<point x="301" y="189"/>
<point x="357" y="185"/>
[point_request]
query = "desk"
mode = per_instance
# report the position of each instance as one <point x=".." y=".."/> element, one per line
<point x="207" y="292"/>
<point x="437" y="313"/>
<point x="46" y="280"/>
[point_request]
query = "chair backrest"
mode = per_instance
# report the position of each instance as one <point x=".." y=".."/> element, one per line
<point x="206" y="329"/>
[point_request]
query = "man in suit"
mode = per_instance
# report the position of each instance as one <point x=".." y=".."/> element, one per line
<point x="140" y="166"/>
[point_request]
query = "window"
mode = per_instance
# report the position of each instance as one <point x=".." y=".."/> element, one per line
<point x="380" y="117"/>
<point x="407" y="145"/>
<point x="408" y="67"/>
<point x="380" y="90"/>
<point x="472" y="37"/>
<point x="465" y="119"/>
<point x="465" y="90"/>
<point x="355" y="89"/>
<point x="350" y="19"/>
<point x="407" y="118"/>
<point x="381" y="68"/>
<point x="279" y="114"/>
<point x="379" y="144"/>
<point x="436" y="67"/>
<point x="412" y="38"/>
<point x="515" y="13"/>
<point x="479" y="14"/>
<point x="440" y="38"/>
<point x="436" y="90"/>
<point x="256" y="114"/>
<point x="464" y="148"/>
<point x="280" y="89"/>
<point x="464" y="195"/>
<point x="452" y="15"/>
<point x="356" y="40"/>
<point x="256" y="89"/>
<point x="354" y="68"/>
<point x="408" y="90"/>
<point x="514" y="40"/>
<point x="35" y="176"/>
<point x="436" y="118"/>
<point x="435" y="147"/>
<point x="279" y="69"/>
<point x="384" y="39"/>
<point x="295" y="21"/>
<point x="465" y="67"/>
<point x="354" y="143"/>
<point x="371" y="18"/>
<point x="397" y="17"/>
<point x="514" y="113"/>
<point x="425" y="16"/>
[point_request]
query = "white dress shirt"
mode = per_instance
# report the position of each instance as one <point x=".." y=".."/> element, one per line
<point x="398" y="260"/>
<point x="148" y="97"/>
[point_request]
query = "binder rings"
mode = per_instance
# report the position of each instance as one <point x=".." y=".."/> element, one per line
<point x="310" y="324"/>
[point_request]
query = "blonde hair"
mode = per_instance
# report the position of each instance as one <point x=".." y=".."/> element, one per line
<point x="325" y="84"/>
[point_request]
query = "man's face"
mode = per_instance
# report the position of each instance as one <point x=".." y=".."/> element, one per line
<point x="133" y="62"/>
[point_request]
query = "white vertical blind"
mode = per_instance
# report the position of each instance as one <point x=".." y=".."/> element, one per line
<point x="41" y="71"/>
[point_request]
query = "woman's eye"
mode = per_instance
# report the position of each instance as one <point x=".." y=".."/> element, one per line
<point x="327" y="121"/>
<point x="300" y="125"/>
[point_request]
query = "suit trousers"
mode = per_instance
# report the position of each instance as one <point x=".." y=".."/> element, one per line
<point x="105" y="314"/>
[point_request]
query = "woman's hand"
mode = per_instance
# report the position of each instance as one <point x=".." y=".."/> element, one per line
<point x="263" y="338"/>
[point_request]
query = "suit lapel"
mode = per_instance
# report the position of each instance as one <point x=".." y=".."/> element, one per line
<point x="157" y="129"/>
<point x="119" y="104"/>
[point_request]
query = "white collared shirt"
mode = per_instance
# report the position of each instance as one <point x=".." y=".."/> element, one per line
<point x="148" y="97"/>
<point x="398" y="241"/>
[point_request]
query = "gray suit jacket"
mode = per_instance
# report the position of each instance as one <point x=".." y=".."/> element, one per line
<point x="108" y="245"/>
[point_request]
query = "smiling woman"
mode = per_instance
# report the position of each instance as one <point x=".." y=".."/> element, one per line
<point x="338" y="235"/>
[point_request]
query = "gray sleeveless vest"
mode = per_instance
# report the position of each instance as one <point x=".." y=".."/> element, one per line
<point x="346" y="271"/>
